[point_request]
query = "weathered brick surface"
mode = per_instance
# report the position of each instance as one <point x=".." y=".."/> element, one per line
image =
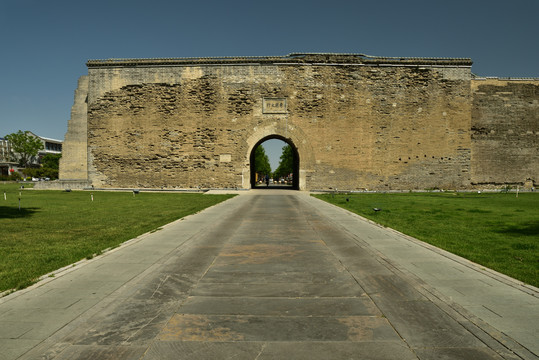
<point x="505" y="132"/>
<point x="74" y="162"/>
<point x="356" y="123"/>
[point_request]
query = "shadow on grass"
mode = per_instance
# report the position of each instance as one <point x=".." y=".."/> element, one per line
<point x="529" y="229"/>
<point x="13" y="212"/>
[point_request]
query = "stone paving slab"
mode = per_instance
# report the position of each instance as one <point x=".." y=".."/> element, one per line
<point x="204" y="350"/>
<point x="240" y="305"/>
<point x="290" y="290"/>
<point x="271" y="275"/>
<point x="280" y="350"/>
<point x="83" y="352"/>
<point x="203" y="327"/>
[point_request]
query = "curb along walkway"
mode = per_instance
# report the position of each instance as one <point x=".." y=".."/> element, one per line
<point x="273" y="274"/>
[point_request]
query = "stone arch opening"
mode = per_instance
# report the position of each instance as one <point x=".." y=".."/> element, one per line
<point x="295" y="155"/>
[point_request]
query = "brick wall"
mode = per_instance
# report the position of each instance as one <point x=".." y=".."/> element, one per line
<point x="357" y="123"/>
<point x="505" y="132"/>
<point x="74" y="160"/>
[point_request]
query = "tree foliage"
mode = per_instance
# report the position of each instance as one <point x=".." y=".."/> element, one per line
<point x="41" y="172"/>
<point x="262" y="164"/>
<point x="24" y="145"/>
<point x="50" y="164"/>
<point x="51" y="161"/>
<point x="286" y="164"/>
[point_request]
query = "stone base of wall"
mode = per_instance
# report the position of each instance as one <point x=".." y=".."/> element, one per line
<point x="62" y="185"/>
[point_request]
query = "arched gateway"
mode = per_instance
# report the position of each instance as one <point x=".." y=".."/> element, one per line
<point x="295" y="161"/>
<point x="355" y="122"/>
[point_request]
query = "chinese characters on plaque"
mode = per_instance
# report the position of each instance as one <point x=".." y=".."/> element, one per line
<point x="274" y="105"/>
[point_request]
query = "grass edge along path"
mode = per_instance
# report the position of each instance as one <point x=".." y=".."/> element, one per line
<point x="54" y="229"/>
<point x="498" y="231"/>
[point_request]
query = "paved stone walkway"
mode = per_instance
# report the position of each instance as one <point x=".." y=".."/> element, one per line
<point x="273" y="275"/>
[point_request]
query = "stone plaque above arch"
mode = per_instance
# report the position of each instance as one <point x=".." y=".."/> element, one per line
<point x="274" y="106"/>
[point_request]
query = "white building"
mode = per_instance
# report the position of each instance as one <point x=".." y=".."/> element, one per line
<point x="6" y="160"/>
<point x="50" y="146"/>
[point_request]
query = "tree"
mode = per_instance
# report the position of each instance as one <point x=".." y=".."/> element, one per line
<point x="262" y="165"/>
<point x="24" y="145"/>
<point x="286" y="163"/>
<point x="49" y="167"/>
<point x="51" y="161"/>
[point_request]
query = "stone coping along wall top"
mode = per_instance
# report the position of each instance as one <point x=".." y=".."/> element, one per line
<point x="293" y="58"/>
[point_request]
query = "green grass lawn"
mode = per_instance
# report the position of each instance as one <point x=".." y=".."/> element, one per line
<point x="499" y="231"/>
<point x="54" y="228"/>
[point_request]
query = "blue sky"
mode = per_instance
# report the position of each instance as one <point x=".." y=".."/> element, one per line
<point x="44" y="44"/>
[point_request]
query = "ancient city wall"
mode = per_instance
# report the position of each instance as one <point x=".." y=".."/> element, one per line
<point x="74" y="162"/>
<point x="505" y="132"/>
<point x="357" y="123"/>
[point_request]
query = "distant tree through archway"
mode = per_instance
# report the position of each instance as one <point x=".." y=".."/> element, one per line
<point x="258" y="159"/>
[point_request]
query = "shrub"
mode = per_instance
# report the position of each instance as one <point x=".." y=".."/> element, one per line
<point x="13" y="177"/>
<point x="41" y="172"/>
